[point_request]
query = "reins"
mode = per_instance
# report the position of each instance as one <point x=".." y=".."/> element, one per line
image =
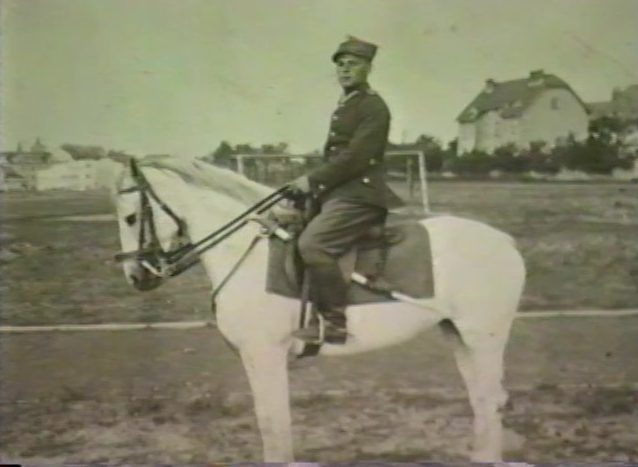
<point x="190" y="254"/>
<point x="177" y="261"/>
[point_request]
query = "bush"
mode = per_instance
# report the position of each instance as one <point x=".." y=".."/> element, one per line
<point x="596" y="155"/>
<point x="473" y="163"/>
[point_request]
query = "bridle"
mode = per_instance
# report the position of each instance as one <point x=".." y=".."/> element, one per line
<point x="150" y="253"/>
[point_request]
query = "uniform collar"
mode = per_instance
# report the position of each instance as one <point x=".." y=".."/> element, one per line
<point x="353" y="92"/>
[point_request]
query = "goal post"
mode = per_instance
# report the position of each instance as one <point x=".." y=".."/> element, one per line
<point x="410" y="164"/>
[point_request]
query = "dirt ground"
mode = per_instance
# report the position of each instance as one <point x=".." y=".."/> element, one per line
<point x="181" y="396"/>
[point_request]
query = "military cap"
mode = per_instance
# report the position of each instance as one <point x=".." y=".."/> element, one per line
<point x="357" y="47"/>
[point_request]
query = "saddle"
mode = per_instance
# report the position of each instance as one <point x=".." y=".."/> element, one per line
<point x="397" y="253"/>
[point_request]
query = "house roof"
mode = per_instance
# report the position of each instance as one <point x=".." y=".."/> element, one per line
<point x="511" y="98"/>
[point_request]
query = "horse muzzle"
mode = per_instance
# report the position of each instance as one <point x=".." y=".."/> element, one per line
<point x="145" y="270"/>
<point x="145" y="280"/>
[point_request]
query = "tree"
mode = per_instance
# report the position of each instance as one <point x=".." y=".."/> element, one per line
<point x="507" y="158"/>
<point x="472" y="163"/>
<point x="428" y="145"/>
<point x="539" y="158"/>
<point x="279" y="148"/>
<point x="220" y="156"/>
<point x="432" y="150"/>
<point x="606" y="130"/>
<point x="245" y="148"/>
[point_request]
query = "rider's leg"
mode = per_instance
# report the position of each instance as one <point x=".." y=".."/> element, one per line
<point x="330" y="234"/>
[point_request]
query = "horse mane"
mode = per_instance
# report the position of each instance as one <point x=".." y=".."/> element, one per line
<point x="202" y="174"/>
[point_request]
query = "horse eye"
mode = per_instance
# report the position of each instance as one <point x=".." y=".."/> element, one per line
<point x="130" y="219"/>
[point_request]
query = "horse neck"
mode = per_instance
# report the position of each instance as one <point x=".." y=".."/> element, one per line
<point x="204" y="211"/>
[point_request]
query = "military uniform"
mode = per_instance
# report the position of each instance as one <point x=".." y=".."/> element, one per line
<point x="353" y="153"/>
<point x="350" y="190"/>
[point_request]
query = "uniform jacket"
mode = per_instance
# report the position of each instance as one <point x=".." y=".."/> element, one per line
<point x="353" y="154"/>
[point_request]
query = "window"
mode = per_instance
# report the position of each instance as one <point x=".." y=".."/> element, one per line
<point x="554" y="103"/>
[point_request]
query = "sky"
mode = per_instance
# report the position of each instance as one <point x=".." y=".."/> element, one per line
<point x="179" y="76"/>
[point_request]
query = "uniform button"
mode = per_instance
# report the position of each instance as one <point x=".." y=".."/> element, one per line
<point x="373" y="162"/>
<point x="333" y="148"/>
<point x="322" y="187"/>
<point x="365" y="180"/>
<point x="335" y="117"/>
<point x="332" y="133"/>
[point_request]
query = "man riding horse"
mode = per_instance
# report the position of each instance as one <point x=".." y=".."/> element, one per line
<point x="348" y="188"/>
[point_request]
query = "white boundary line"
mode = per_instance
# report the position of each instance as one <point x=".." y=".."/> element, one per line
<point x="110" y="326"/>
<point x="439" y="392"/>
<point x="569" y="314"/>
<point x="204" y="324"/>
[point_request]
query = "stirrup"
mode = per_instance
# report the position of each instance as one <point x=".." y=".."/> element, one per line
<point x="317" y="334"/>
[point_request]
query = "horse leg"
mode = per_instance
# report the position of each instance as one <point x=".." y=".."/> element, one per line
<point x="266" y="367"/>
<point x="480" y="362"/>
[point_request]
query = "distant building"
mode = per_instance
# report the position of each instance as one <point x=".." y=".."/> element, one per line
<point x="25" y="163"/>
<point x="75" y="175"/>
<point x="541" y="107"/>
<point x="10" y="180"/>
<point x="39" y="169"/>
<point x="623" y="105"/>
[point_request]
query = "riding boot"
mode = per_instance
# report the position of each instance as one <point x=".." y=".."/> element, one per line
<point x="329" y="292"/>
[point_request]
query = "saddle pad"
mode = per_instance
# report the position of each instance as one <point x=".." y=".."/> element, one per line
<point x="408" y="266"/>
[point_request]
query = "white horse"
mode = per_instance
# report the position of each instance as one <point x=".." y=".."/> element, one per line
<point x="478" y="274"/>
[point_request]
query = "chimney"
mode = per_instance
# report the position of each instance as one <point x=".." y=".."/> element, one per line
<point x="490" y="85"/>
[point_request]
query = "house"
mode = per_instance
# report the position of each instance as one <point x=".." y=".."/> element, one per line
<point x="540" y="107"/>
<point x="623" y="105"/>
<point x="25" y="163"/>
<point x="10" y="180"/>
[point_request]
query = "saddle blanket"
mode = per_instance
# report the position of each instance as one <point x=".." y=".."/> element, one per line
<point x="407" y="265"/>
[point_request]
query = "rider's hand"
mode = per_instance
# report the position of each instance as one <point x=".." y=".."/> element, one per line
<point x="285" y="213"/>
<point x="301" y="185"/>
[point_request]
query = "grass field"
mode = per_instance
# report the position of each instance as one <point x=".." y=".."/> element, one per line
<point x="181" y="396"/>
<point x="578" y="241"/>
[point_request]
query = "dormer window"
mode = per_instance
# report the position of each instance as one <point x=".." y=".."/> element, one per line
<point x="472" y="113"/>
<point x="490" y="86"/>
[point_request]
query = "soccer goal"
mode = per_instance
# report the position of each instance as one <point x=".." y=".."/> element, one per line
<point x="407" y="173"/>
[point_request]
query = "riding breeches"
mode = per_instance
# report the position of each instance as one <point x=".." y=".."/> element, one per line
<point x="336" y="229"/>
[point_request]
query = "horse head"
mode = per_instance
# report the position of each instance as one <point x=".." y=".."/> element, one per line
<point x="150" y="232"/>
